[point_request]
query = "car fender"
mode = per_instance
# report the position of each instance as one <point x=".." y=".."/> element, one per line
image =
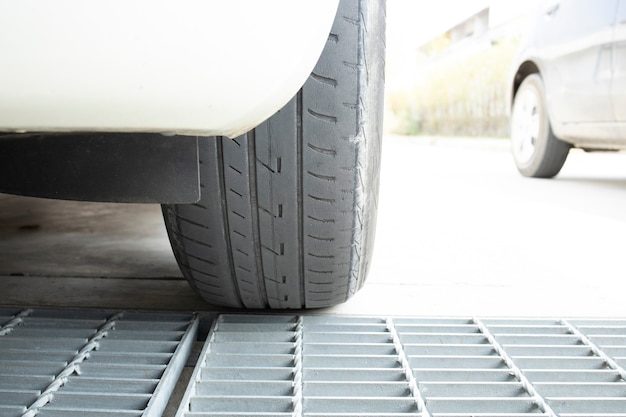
<point x="187" y="67"/>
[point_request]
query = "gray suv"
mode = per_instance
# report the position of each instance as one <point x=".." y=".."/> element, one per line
<point x="568" y="85"/>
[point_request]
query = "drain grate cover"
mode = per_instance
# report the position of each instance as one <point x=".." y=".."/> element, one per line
<point x="56" y="363"/>
<point x="354" y="366"/>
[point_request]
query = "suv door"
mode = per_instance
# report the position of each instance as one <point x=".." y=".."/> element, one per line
<point x="618" y="92"/>
<point x="574" y="40"/>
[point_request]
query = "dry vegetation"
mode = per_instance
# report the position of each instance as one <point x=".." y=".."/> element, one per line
<point x="458" y="95"/>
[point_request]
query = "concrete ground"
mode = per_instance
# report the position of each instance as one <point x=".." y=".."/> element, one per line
<point x="460" y="232"/>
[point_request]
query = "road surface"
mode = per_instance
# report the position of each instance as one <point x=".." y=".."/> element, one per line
<point x="460" y="232"/>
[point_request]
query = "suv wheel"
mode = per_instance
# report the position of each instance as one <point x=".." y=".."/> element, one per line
<point x="537" y="152"/>
<point x="287" y="214"/>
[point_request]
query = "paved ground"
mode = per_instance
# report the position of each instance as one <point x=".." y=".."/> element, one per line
<point x="460" y="233"/>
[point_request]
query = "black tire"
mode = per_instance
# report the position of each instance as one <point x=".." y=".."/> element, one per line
<point x="287" y="214"/>
<point x="537" y="154"/>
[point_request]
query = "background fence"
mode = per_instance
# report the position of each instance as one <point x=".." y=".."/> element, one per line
<point x="459" y="93"/>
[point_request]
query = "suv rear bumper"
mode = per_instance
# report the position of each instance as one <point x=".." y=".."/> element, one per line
<point x="190" y="67"/>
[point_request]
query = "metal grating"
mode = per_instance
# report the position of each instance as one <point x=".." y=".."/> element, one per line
<point x="56" y="363"/>
<point x="355" y="366"/>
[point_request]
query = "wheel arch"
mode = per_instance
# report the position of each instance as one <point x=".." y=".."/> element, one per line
<point x="525" y="69"/>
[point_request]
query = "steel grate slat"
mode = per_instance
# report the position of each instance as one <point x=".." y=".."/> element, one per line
<point x="408" y="370"/>
<point x="562" y="379"/>
<point x="278" y="365"/>
<point x="462" y="364"/>
<point x="606" y="359"/>
<point x="298" y="365"/>
<point x="71" y="363"/>
<point x="9" y="322"/>
<point x="538" y="401"/>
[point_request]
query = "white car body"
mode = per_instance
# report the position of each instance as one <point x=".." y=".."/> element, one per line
<point x="187" y="67"/>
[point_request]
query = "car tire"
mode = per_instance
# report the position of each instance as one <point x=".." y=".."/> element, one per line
<point x="287" y="211"/>
<point x="537" y="152"/>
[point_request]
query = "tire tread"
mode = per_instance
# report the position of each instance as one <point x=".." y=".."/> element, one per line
<point x="288" y="210"/>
